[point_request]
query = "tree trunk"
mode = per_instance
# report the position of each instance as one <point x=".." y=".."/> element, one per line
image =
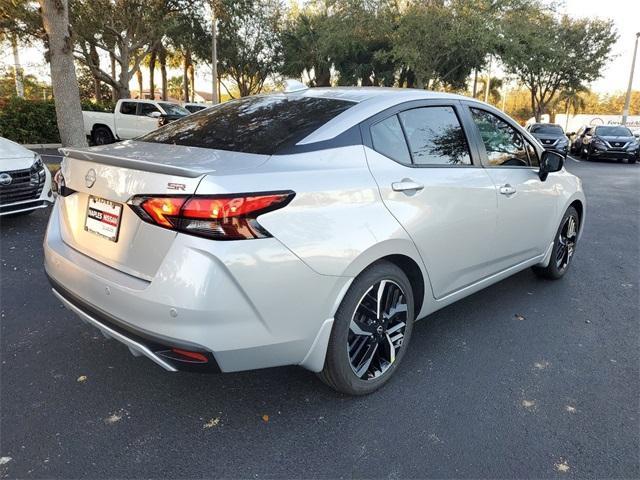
<point x="95" y="59"/>
<point x="185" y="74"/>
<point x="215" y="98"/>
<point x="55" y="19"/>
<point x="152" y="71"/>
<point x="475" y="83"/>
<point x="114" y="91"/>
<point x="162" y="57"/>
<point x="411" y="79"/>
<point x="17" y="68"/>
<point x="140" y="83"/>
<point x="96" y="90"/>
<point x="192" y="80"/>
<point x="322" y="77"/>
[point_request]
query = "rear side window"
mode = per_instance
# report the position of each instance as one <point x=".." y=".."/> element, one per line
<point x="128" y="108"/>
<point x="263" y="124"/>
<point x="435" y="136"/>
<point x="388" y="139"/>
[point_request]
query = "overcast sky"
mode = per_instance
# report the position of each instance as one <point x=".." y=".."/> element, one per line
<point x="625" y="14"/>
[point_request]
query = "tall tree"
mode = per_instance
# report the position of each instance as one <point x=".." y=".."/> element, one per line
<point x="55" y="19"/>
<point x="126" y="29"/>
<point x="249" y="42"/>
<point x="547" y="53"/>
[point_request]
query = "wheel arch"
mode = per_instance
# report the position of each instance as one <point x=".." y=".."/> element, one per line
<point x="404" y="255"/>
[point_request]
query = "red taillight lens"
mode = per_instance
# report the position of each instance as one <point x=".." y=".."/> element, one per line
<point x="163" y="210"/>
<point x="220" y="217"/>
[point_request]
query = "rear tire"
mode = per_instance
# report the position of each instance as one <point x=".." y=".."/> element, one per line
<point x="359" y="330"/>
<point x="633" y="160"/>
<point x="563" y="247"/>
<point x="102" y="136"/>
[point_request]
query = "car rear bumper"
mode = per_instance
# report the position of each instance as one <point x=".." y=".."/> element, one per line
<point x="248" y="304"/>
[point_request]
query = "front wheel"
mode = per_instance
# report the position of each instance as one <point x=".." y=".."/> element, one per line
<point x="563" y="247"/>
<point x="371" y="331"/>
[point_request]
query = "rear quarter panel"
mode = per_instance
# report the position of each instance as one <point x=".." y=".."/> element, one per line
<point x="337" y="223"/>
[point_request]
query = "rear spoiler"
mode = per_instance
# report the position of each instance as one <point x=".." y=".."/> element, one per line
<point x="132" y="163"/>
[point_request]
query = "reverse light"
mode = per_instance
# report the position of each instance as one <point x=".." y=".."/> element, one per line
<point x="219" y="217"/>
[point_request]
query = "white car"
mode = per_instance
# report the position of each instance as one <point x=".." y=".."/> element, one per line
<point x="130" y="119"/>
<point x="25" y="182"/>
<point x="308" y="228"/>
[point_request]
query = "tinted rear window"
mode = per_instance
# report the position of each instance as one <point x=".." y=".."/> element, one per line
<point x="252" y="124"/>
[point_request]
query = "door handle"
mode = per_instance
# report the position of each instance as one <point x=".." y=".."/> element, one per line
<point x="507" y="190"/>
<point x="406" y="185"/>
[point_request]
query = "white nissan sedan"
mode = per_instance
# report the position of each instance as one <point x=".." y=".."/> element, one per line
<point x="25" y="182"/>
<point x="309" y="228"/>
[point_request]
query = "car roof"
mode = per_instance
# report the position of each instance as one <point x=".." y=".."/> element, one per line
<point x="369" y="101"/>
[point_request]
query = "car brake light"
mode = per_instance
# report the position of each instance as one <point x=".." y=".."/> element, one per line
<point x="219" y="217"/>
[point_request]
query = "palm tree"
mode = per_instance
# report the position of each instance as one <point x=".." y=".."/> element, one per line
<point x="495" y="90"/>
<point x="572" y="98"/>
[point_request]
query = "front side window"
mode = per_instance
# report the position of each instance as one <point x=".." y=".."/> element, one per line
<point x="388" y="139"/>
<point x="503" y="143"/>
<point x="435" y="136"/>
<point x="128" y="108"/>
<point x="260" y="124"/>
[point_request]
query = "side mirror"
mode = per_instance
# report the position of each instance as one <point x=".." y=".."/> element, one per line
<point x="154" y="114"/>
<point x="549" y="163"/>
<point x="571" y="134"/>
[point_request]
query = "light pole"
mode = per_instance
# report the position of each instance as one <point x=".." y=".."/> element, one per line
<point x="627" y="101"/>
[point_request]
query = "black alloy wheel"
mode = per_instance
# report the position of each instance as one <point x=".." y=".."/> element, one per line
<point x="377" y="330"/>
<point x="371" y="330"/>
<point x="564" y="247"/>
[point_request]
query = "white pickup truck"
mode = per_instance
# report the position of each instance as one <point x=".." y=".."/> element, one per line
<point x="130" y="119"/>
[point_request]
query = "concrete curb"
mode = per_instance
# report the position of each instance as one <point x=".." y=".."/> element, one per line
<point x="41" y="145"/>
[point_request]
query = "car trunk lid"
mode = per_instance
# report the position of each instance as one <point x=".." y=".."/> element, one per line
<point x="105" y="178"/>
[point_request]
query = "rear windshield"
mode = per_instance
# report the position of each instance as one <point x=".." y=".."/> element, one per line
<point x="262" y="124"/>
<point x="547" y="129"/>
<point x="613" y="131"/>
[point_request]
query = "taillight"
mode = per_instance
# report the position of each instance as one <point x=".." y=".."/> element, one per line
<point x="219" y="217"/>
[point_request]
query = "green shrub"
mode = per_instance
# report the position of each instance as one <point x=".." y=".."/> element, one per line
<point x="28" y="121"/>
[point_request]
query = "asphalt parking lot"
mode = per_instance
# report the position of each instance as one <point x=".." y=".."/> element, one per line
<point x="529" y="378"/>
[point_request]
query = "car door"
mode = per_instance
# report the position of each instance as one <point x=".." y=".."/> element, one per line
<point x="432" y="182"/>
<point x="525" y="203"/>
<point x="145" y="122"/>
<point x="126" y="118"/>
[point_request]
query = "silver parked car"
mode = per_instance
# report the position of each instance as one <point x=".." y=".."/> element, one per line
<point x="309" y="228"/>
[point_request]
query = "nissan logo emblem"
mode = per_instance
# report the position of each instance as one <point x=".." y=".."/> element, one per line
<point x="5" y="179"/>
<point x="90" y="178"/>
